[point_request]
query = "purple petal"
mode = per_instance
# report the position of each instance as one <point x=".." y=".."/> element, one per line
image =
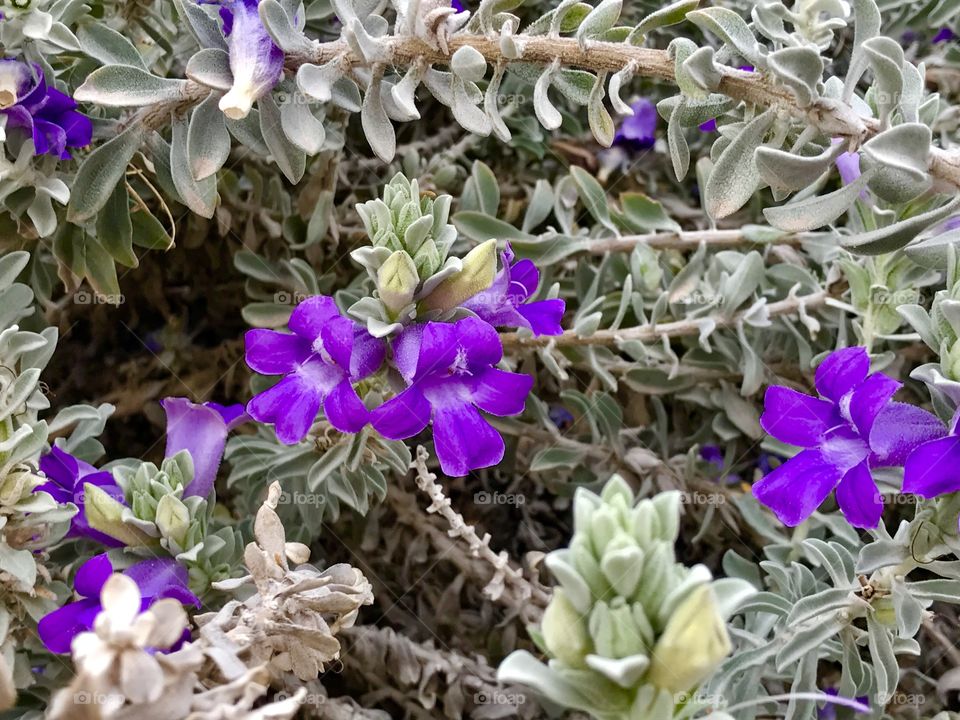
<point x="859" y="499"/>
<point x="464" y="441"/>
<point x="931" y="469"/>
<point x="201" y="431"/>
<point x="62" y="469"/>
<point x="160" y="578"/>
<point x="58" y="628"/>
<point x="524" y="279"/>
<point x="849" y="166"/>
<point x="368" y="354"/>
<point x="479" y="340"/>
<point x="92" y="575"/>
<point x="344" y="408"/>
<point x="501" y="393"/>
<point x="406" y="351"/>
<point x="233" y="415"/>
<point x="870" y="397"/>
<point x="438" y="348"/>
<point x="309" y="317"/>
<point x="798" y="487"/>
<point x="841" y="370"/>
<point x="48" y="138"/>
<point x="944" y="35"/>
<point x="403" y="416"/>
<point x="544" y="317"/>
<point x="639" y="128"/>
<point x="274" y="353"/>
<point x="709" y="126"/>
<point x="291" y="405"/>
<point x="795" y="418"/>
<point x="898" y="430"/>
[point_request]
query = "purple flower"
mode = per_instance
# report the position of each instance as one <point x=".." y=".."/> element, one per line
<point x="638" y="131"/>
<point x="849" y="166"/>
<point x="709" y="126"/>
<point x="157" y="579"/>
<point x="931" y="469"/>
<point x="42" y="113"/>
<point x="945" y="35"/>
<point x="851" y="428"/>
<point x="457" y="5"/>
<point x="504" y="303"/>
<point x="320" y="360"/>
<point x="713" y="456"/>
<point x="66" y="476"/>
<point x="829" y="709"/>
<point x="255" y="61"/>
<point x="449" y="368"/>
<point x="202" y="431"/>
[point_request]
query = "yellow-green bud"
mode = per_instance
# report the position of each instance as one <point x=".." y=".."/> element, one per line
<point x="397" y="282"/>
<point x="479" y="268"/>
<point x="105" y="514"/>
<point x="693" y="644"/>
<point x="614" y="632"/>
<point x="173" y="519"/>
<point x="564" y="631"/>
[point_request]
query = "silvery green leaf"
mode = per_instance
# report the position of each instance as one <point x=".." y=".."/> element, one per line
<point x="566" y="13"/>
<point x="42" y="215"/>
<point x="893" y="237"/>
<point x="900" y="156"/>
<point x="735" y="177"/>
<point x="800" y="69"/>
<point x="468" y="64"/>
<point x="300" y="125"/>
<point x="127" y="86"/>
<point x="291" y="160"/>
<point x="594" y="197"/>
<point x="672" y="14"/>
<point x="547" y="114"/>
<point x="679" y="50"/>
<point x="620" y="78"/>
<point x="108" y="46"/>
<point x="198" y="195"/>
<point x="693" y="113"/>
<point x="601" y="124"/>
<point x="365" y="45"/>
<point x="886" y="59"/>
<point x="491" y="107"/>
<point x="11" y="265"/>
<point x="677" y="143"/>
<point x="208" y="142"/>
<point x="101" y="270"/>
<point x="807" y="639"/>
<point x="404" y="93"/>
<point x="731" y="29"/>
<point x="866" y="26"/>
<point x="625" y="672"/>
<point x="204" y="28"/>
<point x="508" y="45"/>
<point x="575" y="85"/>
<point x="115" y="228"/>
<point x="539" y="207"/>
<point x="701" y="69"/>
<point x="913" y="88"/>
<point x="909" y="610"/>
<point x="818" y="211"/>
<point x="439" y="84"/>
<point x="600" y="19"/>
<point x="210" y="67"/>
<point x="346" y="94"/>
<point x="316" y="81"/>
<point x="884" y="660"/>
<point x="376" y="125"/>
<point x="744" y="281"/>
<point x="929" y="109"/>
<point x="931" y="251"/>
<point x="466" y="111"/>
<point x="100" y="173"/>
<point x="282" y="29"/>
<point x="486" y="187"/>
<point x="788" y="172"/>
<point x="247" y="132"/>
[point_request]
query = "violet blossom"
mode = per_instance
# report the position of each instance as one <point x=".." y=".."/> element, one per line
<point x="944" y="35"/>
<point x="638" y="131"/>
<point x="255" y="60"/>
<point x="66" y="477"/>
<point x="449" y="369"/>
<point x="320" y="360"/>
<point x="504" y="303"/>
<point x="43" y="113"/>
<point x="200" y="429"/>
<point x="931" y="469"/>
<point x="157" y="579"/>
<point x="850" y="429"/>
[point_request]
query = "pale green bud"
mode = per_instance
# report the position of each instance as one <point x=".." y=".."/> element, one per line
<point x="614" y="631"/>
<point x="173" y="519"/>
<point x="693" y="644"/>
<point x="479" y="268"/>
<point x="397" y="282"/>
<point x="564" y="631"/>
<point x="105" y="514"/>
<point x="603" y="527"/>
<point x="951" y="362"/>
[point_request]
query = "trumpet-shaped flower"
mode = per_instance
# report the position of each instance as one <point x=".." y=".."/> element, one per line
<point x="638" y="131"/>
<point x="851" y="428"/>
<point x="44" y="114"/>
<point x="449" y="369"/>
<point x="157" y="579"/>
<point x="66" y="477"/>
<point x="320" y="360"/>
<point x="255" y="61"/>
<point x="931" y="469"/>
<point x="504" y="303"/>
<point x="201" y="429"/>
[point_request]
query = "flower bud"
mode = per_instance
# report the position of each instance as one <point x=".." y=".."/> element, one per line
<point x="693" y="644"/>
<point x="951" y="361"/>
<point x="397" y="282"/>
<point x="564" y="631"/>
<point x="105" y="514"/>
<point x="173" y="519"/>
<point x="479" y="268"/>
